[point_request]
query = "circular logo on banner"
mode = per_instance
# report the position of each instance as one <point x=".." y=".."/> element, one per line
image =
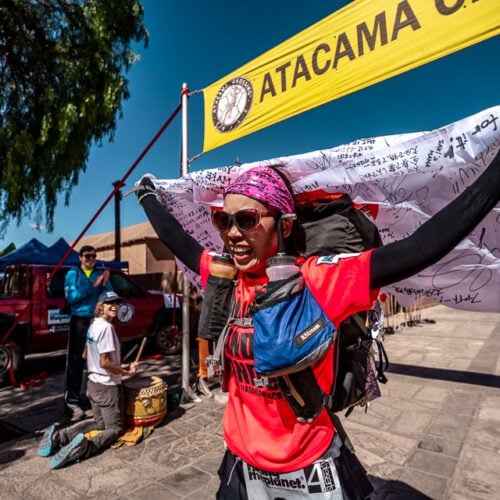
<point x="126" y="312"/>
<point x="232" y="104"/>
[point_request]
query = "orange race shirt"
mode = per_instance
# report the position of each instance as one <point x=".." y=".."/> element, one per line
<point x="259" y="426"/>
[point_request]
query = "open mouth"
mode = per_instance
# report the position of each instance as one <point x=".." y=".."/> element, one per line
<point x="241" y="253"/>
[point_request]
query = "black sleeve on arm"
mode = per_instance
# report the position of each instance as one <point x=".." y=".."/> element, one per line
<point x="434" y="239"/>
<point x="172" y="234"/>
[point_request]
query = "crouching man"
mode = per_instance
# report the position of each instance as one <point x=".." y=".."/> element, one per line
<point x="104" y="390"/>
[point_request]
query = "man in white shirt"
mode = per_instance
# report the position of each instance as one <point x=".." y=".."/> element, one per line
<point x="104" y="391"/>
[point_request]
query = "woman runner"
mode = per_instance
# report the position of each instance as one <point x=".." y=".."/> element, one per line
<point x="270" y="454"/>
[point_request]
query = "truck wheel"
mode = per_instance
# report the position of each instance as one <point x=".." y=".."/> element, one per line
<point x="16" y="353"/>
<point x="168" y="339"/>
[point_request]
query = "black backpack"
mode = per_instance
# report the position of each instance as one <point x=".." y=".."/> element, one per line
<point x="334" y="226"/>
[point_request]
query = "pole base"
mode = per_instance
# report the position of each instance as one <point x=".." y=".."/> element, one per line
<point x="189" y="396"/>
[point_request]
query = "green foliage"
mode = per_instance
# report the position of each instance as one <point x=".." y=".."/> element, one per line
<point x="62" y="66"/>
<point x="9" y="248"/>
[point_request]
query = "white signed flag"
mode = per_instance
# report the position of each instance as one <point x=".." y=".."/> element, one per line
<point x="408" y="177"/>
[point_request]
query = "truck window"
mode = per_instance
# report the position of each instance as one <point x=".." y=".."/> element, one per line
<point x="124" y="287"/>
<point x="14" y="283"/>
<point x="55" y="289"/>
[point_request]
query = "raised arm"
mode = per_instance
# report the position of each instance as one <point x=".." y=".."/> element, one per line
<point x="434" y="239"/>
<point x="170" y="232"/>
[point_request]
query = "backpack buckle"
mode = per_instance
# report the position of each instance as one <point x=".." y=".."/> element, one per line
<point x="261" y="381"/>
<point x="212" y="361"/>
<point x="328" y="401"/>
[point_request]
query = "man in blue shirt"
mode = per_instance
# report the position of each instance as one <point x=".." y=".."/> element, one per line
<point x="82" y="287"/>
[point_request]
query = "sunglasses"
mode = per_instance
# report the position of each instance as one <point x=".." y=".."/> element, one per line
<point x="89" y="255"/>
<point x="246" y="220"/>
<point x="114" y="303"/>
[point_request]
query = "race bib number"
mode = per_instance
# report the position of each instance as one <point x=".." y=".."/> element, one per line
<point x="318" y="481"/>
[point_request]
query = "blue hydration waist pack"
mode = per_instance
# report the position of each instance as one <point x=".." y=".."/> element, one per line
<point x="291" y="331"/>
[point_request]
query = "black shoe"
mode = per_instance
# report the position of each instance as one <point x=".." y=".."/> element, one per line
<point x="72" y="452"/>
<point x="50" y="441"/>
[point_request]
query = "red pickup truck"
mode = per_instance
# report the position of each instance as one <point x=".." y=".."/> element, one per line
<point x="31" y="319"/>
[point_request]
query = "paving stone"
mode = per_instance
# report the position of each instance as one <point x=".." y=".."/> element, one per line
<point x="434" y="463"/>
<point x="457" y="496"/>
<point x="382" y="446"/>
<point x="437" y="444"/>
<point x="372" y="419"/>
<point x="209" y="462"/>
<point x="186" y="481"/>
<point x="208" y="490"/>
<point x="405" y="390"/>
<point x="426" y="484"/>
<point x="383" y="472"/>
<point x="200" y="443"/>
<point x="451" y="407"/>
<point x="488" y="409"/>
<point x="441" y="429"/>
<point x="485" y="434"/>
<point x="415" y="426"/>
<point x="478" y="476"/>
<point x="433" y="394"/>
<point x="452" y="421"/>
<point x="152" y="491"/>
<point x="171" y="460"/>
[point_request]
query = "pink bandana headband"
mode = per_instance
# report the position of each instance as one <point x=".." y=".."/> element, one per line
<point x="265" y="185"/>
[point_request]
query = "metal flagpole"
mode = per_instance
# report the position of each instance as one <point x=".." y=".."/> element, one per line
<point x="187" y="393"/>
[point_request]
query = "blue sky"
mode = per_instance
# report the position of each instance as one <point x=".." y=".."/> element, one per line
<point x="201" y="41"/>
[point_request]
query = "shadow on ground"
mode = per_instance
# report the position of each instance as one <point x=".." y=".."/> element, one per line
<point x="395" y="490"/>
<point x="463" y="377"/>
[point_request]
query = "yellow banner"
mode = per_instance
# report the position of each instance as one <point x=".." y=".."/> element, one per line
<point x="364" y="43"/>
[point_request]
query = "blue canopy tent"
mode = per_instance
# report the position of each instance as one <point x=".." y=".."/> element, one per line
<point x="35" y="252"/>
<point x="26" y="251"/>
